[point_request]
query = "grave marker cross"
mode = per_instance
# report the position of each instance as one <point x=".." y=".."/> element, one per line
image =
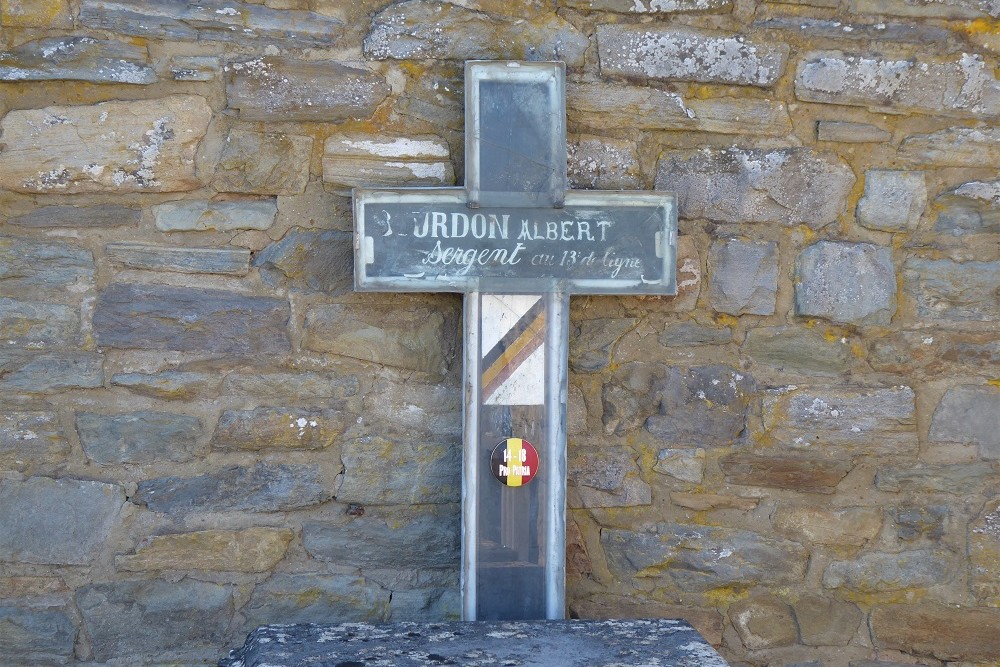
<point x="517" y="244"/>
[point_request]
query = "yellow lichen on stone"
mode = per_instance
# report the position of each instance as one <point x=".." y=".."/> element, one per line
<point x="36" y="14"/>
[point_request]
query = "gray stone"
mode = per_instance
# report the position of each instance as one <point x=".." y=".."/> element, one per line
<point x="364" y="161"/>
<point x="170" y="385"/>
<point x="800" y="350"/>
<point x="956" y="479"/>
<point x="273" y="88"/>
<point x="952" y="633"/>
<point x="135" y="146"/>
<point x="592" y="342"/>
<point x="35" y="374"/>
<point x="953" y="147"/>
<point x="603" y="477"/>
<point x="31" y="437"/>
<point x="302" y="387"/>
<point x="309" y="261"/>
<point x="743" y="277"/>
<point x="825" y="621"/>
<point x="796" y="473"/>
<point x="841" y="526"/>
<point x="420" y="29"/>
<point x="704" y="405"/>
<point x="651" y="6"/>
<point x="823" y="29"/>
<point x="138" y="437"/>
<point x="433" y="410"/>
<point x="280" y="428"/>
<point x="222" y="216"/>
<point x="102" y="215"/>
<point x="30" y="265"/>
<point x="686" y="465"/>
<point x="37" y="14"/>
<point x="36" y="634"/>
<point x="790" y="186"/>
<point x="224" y="261"/>
<point x="687" y="334"/>
<point x="700" y="558"/>
<point x="157" y="317"/>
<point x="893" y="200"/>
<point x="316" y="208"/>
<point x="876" y="571"/>
<point x="969" y="414"/>
<point x="965" y="86"/>
<point x="687" y="54"/>
<point x="764" y="622"/>
<point x="59" y="522"/>
<point x="397" y="540"/>
<point x="387" y="472"/>
<point x="194" y="68"/>
<point x="902" y="352"/>
<point x="266" y="487"/>
<point x="263" y="163"/>
<point x="603" y="163"/>
<point x="77" y="59"/>
<point x="308" y="598"/>
<point x="851" y="133"/>
<point x="940" y="9"/>
<point x="971" y="208"/>
<point x="984" y="554"/>
<point x="948" y="291"/>
<point x="37" y="325"/>
<point x="854" y="283"/>
<point x="914" y="522"/>
<point x="154" y="617"/>
<point x="210" y="20"/>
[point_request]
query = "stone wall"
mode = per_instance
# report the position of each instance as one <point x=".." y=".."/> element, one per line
<point x="203" y="429"/>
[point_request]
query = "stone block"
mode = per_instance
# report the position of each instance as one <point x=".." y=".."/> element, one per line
<point x="650" y="7"/>
<point x="800" y="350"/>
<point x="956" y="479"/>
<point x="702" y="502"/>
<point x="422" y="29"/>
<point x="953" y="147"/>
<point x="851" y="133"/>
<point x="825" y="621"/>
<point x="743" y="277"/>
<point x="169" y="385"/>
<point x="39" y="373"/>
<point x="36" y="14"/>
<point x="950" y="633"/>
<point x="222" y="261"/>
<point x="36" y="634"/>
<point x="969" y="414"/>
<point x="222" y="216"/>
<point x="77" y="59"/>
<point x="37" y="325"/>
<point x="945" y="9"/>
<point x="278" y="89"/>
<point x="853" y="283"/>
<point x="790" y="186"/>
<point x="984" y="555"/>
<point x="378" y="471"/>
<point x="265" y="487"/>
<point x="947" y="291"/>
<point x="248" y="550"/>
<point x="309" y="261"/>
<point x="686" y="465"/>
<point x="687" y="54"/>
<point x="764" y="622"/>
<point x="56" y="521"/>
<point x="914" y="522"/>
<point x="158" y="317"/>
<point x="100" y="215"/>
<point x="602" y="163"/>
<point x="708" y="622"/>
<point x="592" y="342"/>
<point x="413" y="337"/>
<point x="847" y="526"/>
<point x="434" y="410"/>
<point x="351" y="161"/>
<point x="138" y="437"/>
<point x="194" y="68"/>
<point x="806" y="475"/>
<point x="44" y="266"/>
<point x="302" y="387"/>
<point x="602" y="477"/>
<point x="154" y="617"/>
<point x="211" y="20"/>
<point x="877" y="571"/>
<point x="971" y="208"/>
<point x="304" y="598"/>
<point x="31" y="437"/>
<point x="137" y="146"/>
<point x="935" y="86"/>
<point x="688" y="334"/>
<point x="859" y="30"/>
<point x="280" y="428"/>
<point x="893" y="200"/>
<point x="263" y="163"/>
<point x="916" y="348"/>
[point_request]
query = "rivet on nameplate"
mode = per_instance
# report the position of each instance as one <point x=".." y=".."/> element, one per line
<point x="514" y="462"/>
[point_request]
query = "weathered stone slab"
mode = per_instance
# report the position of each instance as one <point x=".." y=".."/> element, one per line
<point x="102" y="215"/>
<point x="807" y="475"/>
<point x="222" y="216"/>
<point x="39" y="373"/>
<point x="650" y="6"/>
<point x="969" y="414"/>
<point x="274" y="88"/>
<point x="405" y="472"/>
<point x="607" y="105"/>
<point x="876" y="571"/>
<point x="138" y="146"/>
<point x="37" y="325"/>
<point x="851" y="133"/>
<point x="954" y="147"/>
<point x="263" y="163"/>
<point x="854" y="283"/>
<point x="823" y="29"/>
<point x="308" y="598"/>
<point x="146" y="617"/>
<point x="943" y="9"/>
<point x="31" y="437"/>
<point x="826" y="622"/>
<point x="971" y="208"/>
<point x="36" y="634"/>
<point x="702" y="502"/>
<point x="893" y="200"/>
<point x="157" y="317"/>
<point x="744" y="277"/>
<point x="592" y="342"/>
<point x="309" y="261"/>
<point x="36" y="13"/>
<point x="946" y="632"/>
<point x="170" y="385"/>
<point x="763" y="622"/>
<point x="968" y="348"/>
<point x="687" y="334"/>
<point x="266" y="487"/>
<point x="708" y="622"/>
<point x="224" y="261"/>
<point x="914" y="522"/>
<point x="984" y="555"/>
<point x="194" y="68"/>
<point x="249" y="550"/>
<point x="360" y="160"/>
<point x="790" y="186"/>
<point x="397" y="540"/>
<point x="603" y="477"/>
<point x="796" y="349"/>
<point x="850" y="526"/>
<point x="302" y="387"/>
<point x="948" y="291"/>
<point x="602" y="163"/>
<point x="688" y="54"/>
<point x="966" y="86"/>
<point x="279" y="428"/>
<point x="59" y="522"/>
<point x="138" y="437"/>
<point x="77" y="59"/>
<point x="686" y="465"/>
<point x="421" y="29"/>
<point x="414" y="337"/>
<point x="29" y="265"/>
<point x="415" y="407"/>
<point x="210" y="20"/>
<point x="957" y="479"/>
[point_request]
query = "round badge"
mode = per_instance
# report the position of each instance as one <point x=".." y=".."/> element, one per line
<point x="514" y="462"/>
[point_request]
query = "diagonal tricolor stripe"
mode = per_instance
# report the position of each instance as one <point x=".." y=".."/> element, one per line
<point x="524" y="334"/>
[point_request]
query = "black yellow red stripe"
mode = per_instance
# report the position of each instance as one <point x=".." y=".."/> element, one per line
<point x="526" y="336"/>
